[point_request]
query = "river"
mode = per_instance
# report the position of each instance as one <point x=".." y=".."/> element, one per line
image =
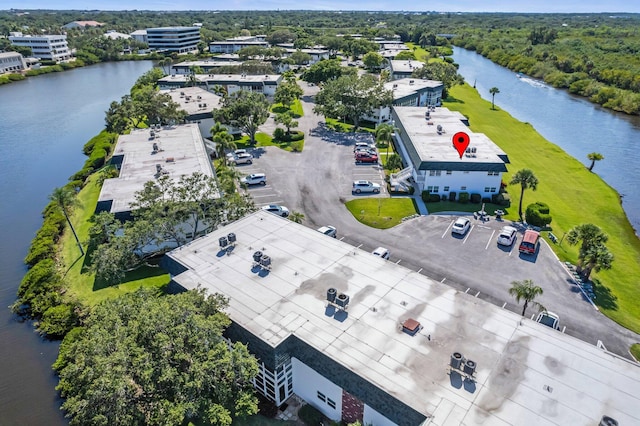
<point x="573" y="123"/>
<point x="44" y="122"/>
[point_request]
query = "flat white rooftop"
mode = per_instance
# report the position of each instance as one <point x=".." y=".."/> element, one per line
<point x="527" y="373"/>
<point x="181" y="152"/>
<point x="194" y="100"/>
<point x="434" y="145"/>
<point x="405" y="66"/>
<point x="404" y="87"/>
<point x="224" y="78"/>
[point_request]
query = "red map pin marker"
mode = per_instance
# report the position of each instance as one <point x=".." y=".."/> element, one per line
<point x="461" y="142"/>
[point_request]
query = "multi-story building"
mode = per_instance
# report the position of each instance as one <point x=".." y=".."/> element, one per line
<point x="11" y="62"/>
<point x="409" y="92"/>
<point x="231" y="83"/>
<point x="234" y="44"/>
<point x="208" y="67"/>
<point x="139" y="35"/>
<point x="174" y="39"/>
<point x="47" y="47"/>
<point x="82" y="24"/>
<point x="403" y="68"/>
<point x="425" y="141"/>
<point x="364" y="339"/>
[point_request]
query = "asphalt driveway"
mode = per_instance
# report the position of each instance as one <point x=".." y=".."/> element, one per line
<point x="317" y="182"/>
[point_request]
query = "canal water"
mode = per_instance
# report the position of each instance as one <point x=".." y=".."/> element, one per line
<point x="573" y="123"/>
<point x="44" y="122"/>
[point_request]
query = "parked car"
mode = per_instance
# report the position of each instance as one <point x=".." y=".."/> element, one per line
<point x="365" y="186"/>
<point x="529" y="242"/>
<point x="362" y="145"/>
<point x="507" y="235"/>
<point x="549" y="319"/>
<point x="245" y="158"/>
<point x="328" y="230"/>
<point x="461" y="226"/>
<point x="366" y="158"/>
<point x="254" y="179"/>
<point x="371" y="151"/>
<point x="382" y="252"/>
<point x="232" y="154"/>
<point x="276" y="209"/>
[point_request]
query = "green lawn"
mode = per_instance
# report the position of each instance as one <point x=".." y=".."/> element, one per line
<point x="82" y="284"/>
<point x="262" y="139"/>
<point x="574" y="195"/>
<point x="342" y="127"/>
<point x="419" y="52"/>
<point x="296" y="108"/>
<point x="635" y="351"/>
<point x="381" y="213"/>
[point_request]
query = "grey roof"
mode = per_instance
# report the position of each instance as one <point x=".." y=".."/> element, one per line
<point x="405" y="66"/>
<point x="182" y="152"/>
<point x="10" y="55"/>
<point x="404" y="87"/>
<point x="527" y="373"/>
<point x="240" y="79"/>
<point x="206" y="64"/>
<point x="431" y="149"/>
<point x="194" y="100"/>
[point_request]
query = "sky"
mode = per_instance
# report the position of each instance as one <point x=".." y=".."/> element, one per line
<point x="537" y="6"/>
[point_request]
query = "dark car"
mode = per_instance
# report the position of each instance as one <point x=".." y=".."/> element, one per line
<point x="363" y="157"/>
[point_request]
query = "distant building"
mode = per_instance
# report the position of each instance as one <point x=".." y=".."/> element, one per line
<point x="266" y="84"/>
<point x="174" y="39"/>
<point x="403" y="68"/>
<point x="144" y="155"/>
<point x="414" y="92"/>
<point x="425" y="141"/>
<point x="82" y="24"/>
<point x="315" y="54"/>
<point x="114" y="35"/>
<point x="208" y="67"/>
<point x="47" y="47"/>
<point x="139" y="35"/>
<point x="233" y="45"/>
<point x="198" y="103"/>
<point x="11" y="62"/>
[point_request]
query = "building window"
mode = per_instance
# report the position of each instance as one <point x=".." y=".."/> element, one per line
<point x="493" y="189"/>
<point x="448" y="172"/>
<point x="321" y="397"/>
<point x="446" y="189"/>
<point x="331" y="403"/>
<point x="493" y="173"/>
<point x="436" y="189"/>
<point x="429" y="189"/>
<point x="486" y="189"/>
<point x="463" y="188"/>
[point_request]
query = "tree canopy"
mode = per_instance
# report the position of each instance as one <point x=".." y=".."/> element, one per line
<point x="144" y="359"/>
<point x="244" y="109"/>
<point x="326" y="70"/>
<point x="352" y="97"/>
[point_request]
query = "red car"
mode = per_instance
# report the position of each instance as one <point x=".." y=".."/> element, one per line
<point x="366" y="158"/>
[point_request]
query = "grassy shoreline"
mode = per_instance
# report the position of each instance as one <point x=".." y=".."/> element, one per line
<point x="574" y="195"/>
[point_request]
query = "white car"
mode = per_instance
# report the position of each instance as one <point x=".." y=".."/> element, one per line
<point x="276" y="209"/>
<point x="254" y="179"/>
<point x="507" y="235"/>
<point x="245" y="158"/>
<point x="549" y="319"/>
<point x="365" y="186"/>
<point x="382" y="252"/>
<point x="232" y="154"/>
<point x="461" y="226"/>
<point x="328" y="230"/>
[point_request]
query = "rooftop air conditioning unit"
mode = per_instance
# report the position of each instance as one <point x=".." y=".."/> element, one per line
<point x="231" y="237"/>
<point x="469" y="367"/>
<point x="223" y="242"/>
<point x="155" y="147"/>
<point x="257" y="256"/>
<point x="331" y="295"/>
<point x="265" y="261"/>
<point x="456" y="360"/>
<point x="158" y="168"/>
<point x="342" y="300"/>
<point x="473" y="149"/>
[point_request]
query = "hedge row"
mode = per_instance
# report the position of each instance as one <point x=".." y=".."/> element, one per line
<point x="98" y="149"/>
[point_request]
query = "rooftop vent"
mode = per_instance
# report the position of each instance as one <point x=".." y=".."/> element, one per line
<point x="608" y="421"/>
<point x="159" y="168"/>
<point x="155" y="147"/>
<point x="440" y="129"/>
<point x="170" y="160"/>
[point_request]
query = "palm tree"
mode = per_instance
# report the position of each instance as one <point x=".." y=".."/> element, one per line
<point x="384" y="134"/>
<point x="596" y="258"/>
<point x="166" y="62"/>
<point x="526" y="179"/>
<point x="65" y="199"/>
<point x="526" y="291"/>
<point x="224" y="141"/>
<point x="217" y="128"/>
<point x="591" y="250"/>
<point x="594" y="156"/>
<point x="494" y="91"/>
<point x="296" y="217"/>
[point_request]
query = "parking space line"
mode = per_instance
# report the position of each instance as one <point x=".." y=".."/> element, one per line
<point x="477" y="294"/>
<point x="468" y="233"/>
<point x="511" y="249"/>
<point x="504" y="304"/>
<point x="467" y="291"/>
<point x="447" y="230"/>
<point x="490" y="238"/>
<point x="564" y="328"/>
<point x="359" y="246"/>
<point x="399" y="260"/>
<point x="341" y="238"/>
<point x="263" y="196"/>
<point x="443" y="279"/>
<point x="420" y="270"/>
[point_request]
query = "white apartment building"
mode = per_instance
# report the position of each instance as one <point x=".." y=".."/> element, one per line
<point x="364" y="339"/>
<point x="403" y="68"/>
<point x="409" y="92"/>
<point x="425" y="141"/>
<point x="265" y="84"/>
<point x="11" y="62"/>
<point x="174" y="39"/>
<point x="46" y="47"/>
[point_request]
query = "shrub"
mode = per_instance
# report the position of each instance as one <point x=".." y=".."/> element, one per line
<point x="83" y="174"/>
<point x="428" y="197"/>
<point x="463" y="197"/>
<point x="310" y="415"/>
<point x="40" y="272"/>
<point x="104" y="140"/>
<point x="452" y="196"/>
<point x="505" y="199"/>
<point x="297" y="146"/>
<point x="394" y="162"/>
<point x="412" y="190"/>
<point x="58" y="320"/>
<point x="537" y="214"/>
<point x="97" y="158"/>
<point x="16" y="77"/>
<point x="278" y="133"/>
<point x="486" y="200"/>
<point x="41" y="248"/>
<point x="475" y="198"/>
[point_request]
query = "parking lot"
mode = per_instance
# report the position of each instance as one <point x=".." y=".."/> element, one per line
<point x="318" y="181"/>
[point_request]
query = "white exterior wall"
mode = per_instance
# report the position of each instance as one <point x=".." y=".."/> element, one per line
<point x="51" y="47"/>
<point x="373" y="418"/>
<point x="270" y="90"/>
<point x="11" y="62"/>
<point x="473" y="182"/>
<point x="307" y="383"/>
